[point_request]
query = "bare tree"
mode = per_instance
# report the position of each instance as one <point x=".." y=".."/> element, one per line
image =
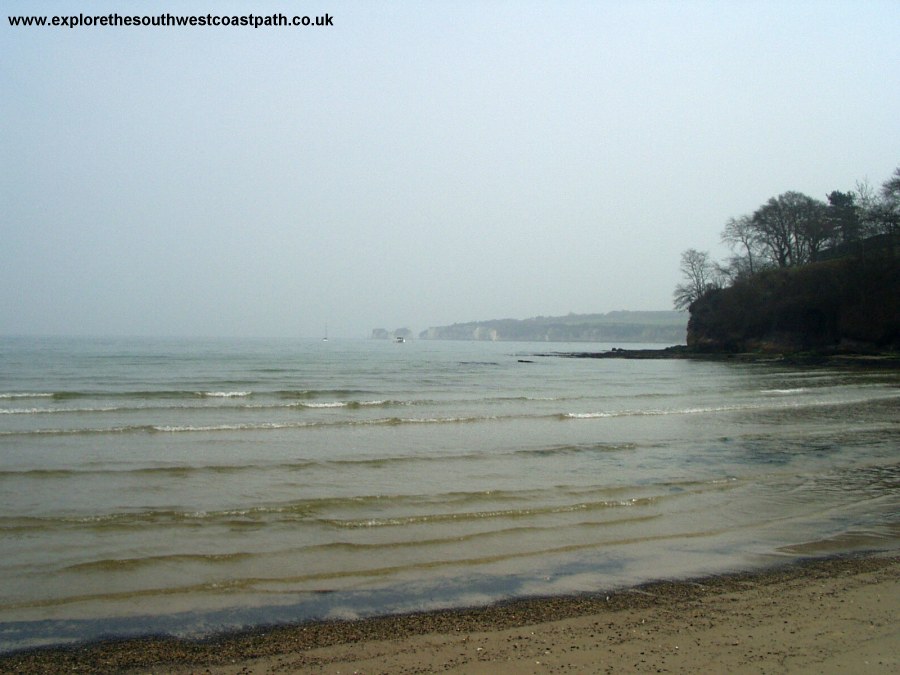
<point x="880" y="211"/>
<point x="865" y="193"/>
<point x="699" y="277"/>
<point x="890" y="189"/>
<point x="740" y="233"/>
<point x="867" y="201"/>
<point x="792" y="228"/>
<point x="890" y="204"/>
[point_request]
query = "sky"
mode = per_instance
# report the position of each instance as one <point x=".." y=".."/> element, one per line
<point x="414" y="164"/>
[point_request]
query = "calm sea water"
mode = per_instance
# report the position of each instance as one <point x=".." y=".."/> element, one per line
<point x="189" y="486"/>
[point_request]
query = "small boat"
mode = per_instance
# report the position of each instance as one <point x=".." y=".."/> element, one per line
<point x="399" y="339"/>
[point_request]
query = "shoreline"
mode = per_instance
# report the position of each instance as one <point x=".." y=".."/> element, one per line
<point x="890" y="360"/>
<point x="798" y="614"/>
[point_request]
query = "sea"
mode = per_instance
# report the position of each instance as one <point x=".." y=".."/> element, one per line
<point x="193" y="486"/>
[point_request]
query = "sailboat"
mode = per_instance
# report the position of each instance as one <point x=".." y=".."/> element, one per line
<point x="325" y="339"/>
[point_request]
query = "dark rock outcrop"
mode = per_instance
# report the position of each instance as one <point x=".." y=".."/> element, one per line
<point x="850" y="304"/>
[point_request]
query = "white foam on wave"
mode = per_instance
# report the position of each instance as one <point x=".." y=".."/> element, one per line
<point x="783" y="404"/>
<point x="224" y="394"/>
<point x="655" y="412"/>
<point x="226" y="427"/>
<point x="25" y="395"/>
<point x="349" y="404"/>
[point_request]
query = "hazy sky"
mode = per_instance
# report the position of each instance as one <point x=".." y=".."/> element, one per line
<point x="416" y="163"/>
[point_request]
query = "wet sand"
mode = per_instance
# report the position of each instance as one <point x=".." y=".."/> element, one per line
<point x="837" y="615"/>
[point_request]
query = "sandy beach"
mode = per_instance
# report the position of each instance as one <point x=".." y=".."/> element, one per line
<point x="824" y="616"/>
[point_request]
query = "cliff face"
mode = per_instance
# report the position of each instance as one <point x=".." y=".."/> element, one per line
<point x="851" y="302"/>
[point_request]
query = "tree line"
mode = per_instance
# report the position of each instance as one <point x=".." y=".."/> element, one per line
<point x="792" y="229"/>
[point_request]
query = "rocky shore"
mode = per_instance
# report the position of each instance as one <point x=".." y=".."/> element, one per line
<point x="837" y="358"/>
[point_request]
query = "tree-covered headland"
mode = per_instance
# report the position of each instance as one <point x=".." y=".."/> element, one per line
<point x="804" y="275"/>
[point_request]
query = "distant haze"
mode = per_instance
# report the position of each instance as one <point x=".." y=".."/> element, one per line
<point x="417" y="163"/>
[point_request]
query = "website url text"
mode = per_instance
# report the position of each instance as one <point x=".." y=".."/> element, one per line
<point x="116" y="20"/>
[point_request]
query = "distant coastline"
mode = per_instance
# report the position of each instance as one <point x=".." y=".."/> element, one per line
<point x="659" y="327"/>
